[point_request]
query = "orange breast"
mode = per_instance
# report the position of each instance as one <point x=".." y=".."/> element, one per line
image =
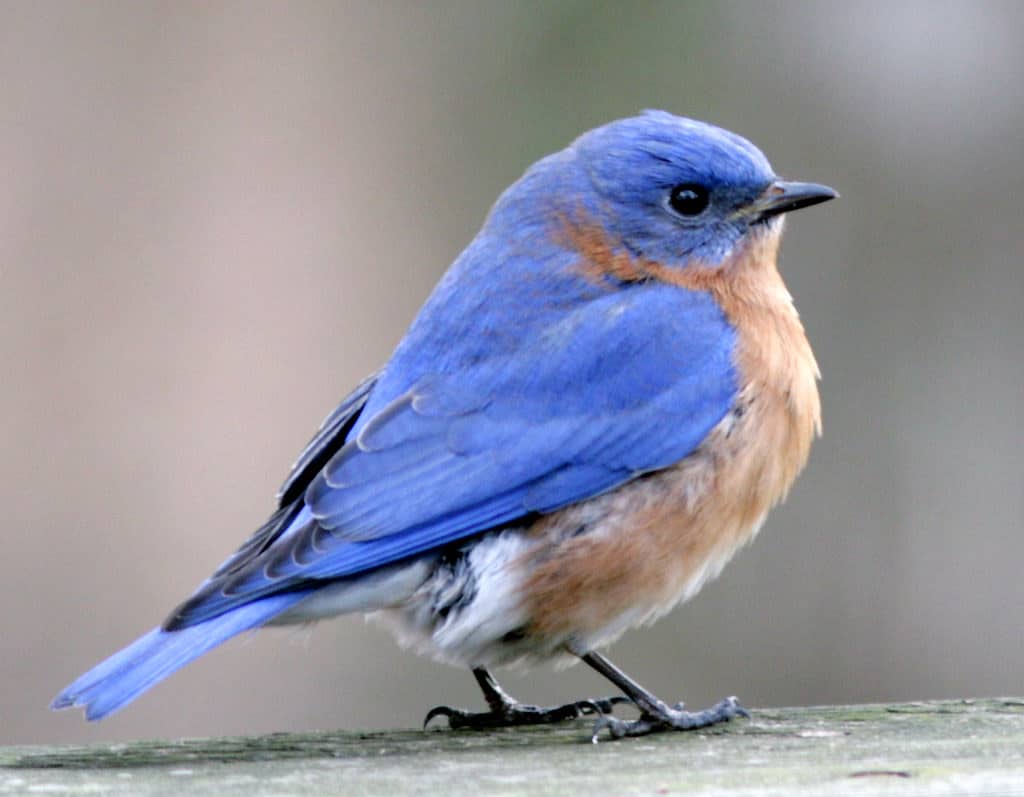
<point x="655" y="541"/>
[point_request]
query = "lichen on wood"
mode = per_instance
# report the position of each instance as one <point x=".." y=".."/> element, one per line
<point x="937" y="747"/>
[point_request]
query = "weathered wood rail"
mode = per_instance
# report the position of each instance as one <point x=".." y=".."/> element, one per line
<point x="947" y="747"/>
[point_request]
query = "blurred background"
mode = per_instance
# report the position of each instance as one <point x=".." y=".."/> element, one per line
<point x="216" y="217"/>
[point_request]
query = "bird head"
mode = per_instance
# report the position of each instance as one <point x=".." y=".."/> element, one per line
<point x="676" y="191"/>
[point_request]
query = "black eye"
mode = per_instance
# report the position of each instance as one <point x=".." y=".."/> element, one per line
<point x="689" y="199"/>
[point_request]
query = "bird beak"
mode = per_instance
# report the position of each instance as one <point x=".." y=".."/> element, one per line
<point x="782" y="197"/>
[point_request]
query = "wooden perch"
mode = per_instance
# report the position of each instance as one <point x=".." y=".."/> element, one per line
<point x="945" y="747"/>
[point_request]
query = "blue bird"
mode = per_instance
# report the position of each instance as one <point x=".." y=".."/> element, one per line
<point x="596" y="407"/>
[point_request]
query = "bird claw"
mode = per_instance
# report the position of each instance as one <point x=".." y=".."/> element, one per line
<point x="601" y="706"/>
<point x="512" y="714"/>
<point x="670" y="719"/>
<point x="442" y="711"/>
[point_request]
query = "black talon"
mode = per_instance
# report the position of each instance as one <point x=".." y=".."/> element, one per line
<point x="670" y="719"/>
<point x="515" y="713"/>
<point x="655" y="716"/>
<point x="605" y="705"/>
<point x="438" y="711"/>
<point x="506" y="711"/>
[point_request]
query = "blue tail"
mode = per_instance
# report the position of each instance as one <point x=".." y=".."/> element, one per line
<point x="114" y="683"/>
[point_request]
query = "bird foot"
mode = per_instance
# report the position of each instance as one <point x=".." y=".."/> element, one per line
<point x="513" y="713"/>
<point x="669" y="719"/>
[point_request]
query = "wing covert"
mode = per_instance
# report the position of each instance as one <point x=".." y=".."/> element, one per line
<point x="630" y="383"/>
<point x="327" y="440"/>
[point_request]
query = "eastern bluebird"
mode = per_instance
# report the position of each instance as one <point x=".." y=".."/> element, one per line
<point x="596" y="407"/>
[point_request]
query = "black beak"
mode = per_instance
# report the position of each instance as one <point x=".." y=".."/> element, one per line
<point x="782" y="197"/>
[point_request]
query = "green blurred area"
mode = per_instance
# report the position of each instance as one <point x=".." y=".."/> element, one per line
<point x="215" y="218"/>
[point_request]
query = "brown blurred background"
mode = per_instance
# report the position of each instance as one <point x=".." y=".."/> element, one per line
<point x="216" y="217"/>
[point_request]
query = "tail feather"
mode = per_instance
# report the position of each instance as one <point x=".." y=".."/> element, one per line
<point x="118" y="680"/>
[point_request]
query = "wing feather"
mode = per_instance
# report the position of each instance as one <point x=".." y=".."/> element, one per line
<point x="631" y="383"/>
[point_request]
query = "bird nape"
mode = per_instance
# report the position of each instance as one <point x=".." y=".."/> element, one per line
<point x="596" y="407"/>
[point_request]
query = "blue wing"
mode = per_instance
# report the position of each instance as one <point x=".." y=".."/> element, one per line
<point x="620" y="385"/>
<point x="328" y="439"/>
<point x="524" y="385"/>
<point x="423" y="455"/>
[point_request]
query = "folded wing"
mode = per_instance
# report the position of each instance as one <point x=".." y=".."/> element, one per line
<point x="624" y="384"/>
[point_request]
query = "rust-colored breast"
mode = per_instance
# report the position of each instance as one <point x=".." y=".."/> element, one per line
<point x="655" y="541"/>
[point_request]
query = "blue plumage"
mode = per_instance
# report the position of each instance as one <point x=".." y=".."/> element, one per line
<point x="508" y="437"/>
<point x="151" y="658"/>
<point x="523" y="386"/>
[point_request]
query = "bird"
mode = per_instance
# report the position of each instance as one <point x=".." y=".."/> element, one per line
<point x="594" y="409"/>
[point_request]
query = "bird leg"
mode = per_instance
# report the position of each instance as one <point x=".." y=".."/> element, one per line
<point x="507" y="711"/>
<point x="655" y="716"/>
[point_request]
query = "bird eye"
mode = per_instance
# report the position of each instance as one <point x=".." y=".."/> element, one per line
<point x="689" y="199"/>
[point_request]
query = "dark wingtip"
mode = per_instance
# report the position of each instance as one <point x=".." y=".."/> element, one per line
<point x="184" y="614"/>
<point x="62" y="701"/>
